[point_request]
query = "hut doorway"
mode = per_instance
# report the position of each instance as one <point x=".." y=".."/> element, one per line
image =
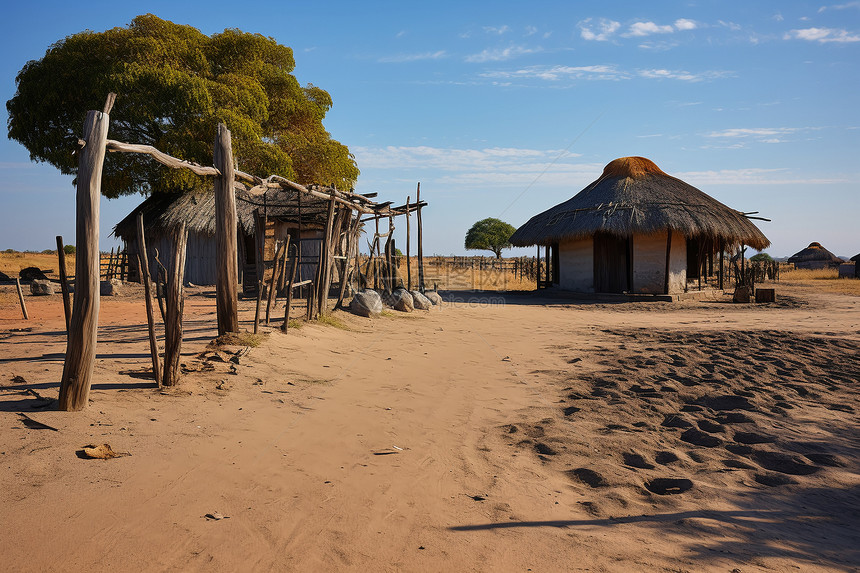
<point x="612" y="263"/>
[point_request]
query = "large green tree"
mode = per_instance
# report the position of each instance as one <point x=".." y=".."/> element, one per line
<point x="174" y="84"/>
<point x="490" y="235"/>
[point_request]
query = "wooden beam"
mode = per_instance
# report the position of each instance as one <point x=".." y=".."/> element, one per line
<point x="420" y="241"/>
<point x="408" y="238"/>
<point x="143" y="264"/>
<point x="81" y="343"/>
<point x="226" y="284"/>
<point x="161" y="157"/>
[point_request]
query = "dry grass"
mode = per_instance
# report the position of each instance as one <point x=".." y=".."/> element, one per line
<point x="12" y="263"/>
<point x="822" y="280"/>
<point x="444" y="276"/>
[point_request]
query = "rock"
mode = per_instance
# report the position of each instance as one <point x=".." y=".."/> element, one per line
<point x="434" y="297"/>
<point x="32" y="273"/>
<point x="400" y="300"/>
<point x="366" y="303"/>
<point x="41" y="288"/>
<point x="420" y="301"/>
<point x="112" y="287"/>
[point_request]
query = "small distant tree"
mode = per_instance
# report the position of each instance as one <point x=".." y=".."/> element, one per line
<point x="761" y="257"/>
<point x="69" y="249"/>
<point x="490" y="235"/>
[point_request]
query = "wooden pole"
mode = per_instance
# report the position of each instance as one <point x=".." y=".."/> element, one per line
<point x="408" y="239"/>
<point x="376" y="246"/>
<point x="420" y="241"/>
<point x="143" y="271"/>
<point x="64" y="282"/>
<point x="351" y="245"/>
<point x="260" y="233"/>
<point x="668" y="259"/>
<point x="537" y="268"/>
<point x="81" y="341"/>
<point x="271" y="294"/>
<point x="722" y="248"/>
<point x="226" y="285"/>
<point x="291" y="277"/>
<point x="326" y="258"/>
<point x="21" y="299"/>
<point x="175" y="307"/>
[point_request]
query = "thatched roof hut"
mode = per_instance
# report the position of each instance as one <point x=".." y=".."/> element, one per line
<point x="815" y="257"/>
<point x="637" y="229"/>
<point x="635" y="196"/>
<point x="163" y="212"/>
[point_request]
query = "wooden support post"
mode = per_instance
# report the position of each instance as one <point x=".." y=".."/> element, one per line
<point x="420" y="241"/>
<point x="64" y="282"/>
<point x="143" y="271"/>
<point x="81" y="343"/>
<point x="260" y="233"/>
<point x="375" y="245"/>
<point x="226" y="285"/>
<point x="326" y="258"/>
<point x="272" y="280"/>
<point x="291" y="277"/>
<point x="722" y="248"/>
<point x="408" y="240"/>
<point x="668" y="260"/>
<point x="351" y="243"/>
<point x="537" y="267"/>
<point x="21" y="299"/>
<point x="175" y="307"/>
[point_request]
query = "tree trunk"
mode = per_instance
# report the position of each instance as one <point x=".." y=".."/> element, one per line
<point x="226" y="282"/>
<point x="143" y="262"/>
<point x="175" y="306"/>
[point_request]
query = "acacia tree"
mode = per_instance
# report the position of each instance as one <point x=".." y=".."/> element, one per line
<point x="174" y="85"/>
<point x="490" y="235"/>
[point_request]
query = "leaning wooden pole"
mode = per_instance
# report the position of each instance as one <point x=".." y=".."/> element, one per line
<point x="420" y="241"/>
<point x="175" y="307"/>
<point x="226" y="258"/>
<point x="291" y="277"/>
<point x="143" y="263"/>
<point x="408" y="239"/>
<point x="21" y="299"/>
<point x="64" y="282"/>
<point x="81" y="342"/>
<point x="325" y="260"/>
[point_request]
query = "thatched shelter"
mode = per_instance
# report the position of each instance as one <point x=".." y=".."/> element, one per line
<point x="815" y="257"/>
<point x="637" y="230"/>
<point x="285" y="212"/>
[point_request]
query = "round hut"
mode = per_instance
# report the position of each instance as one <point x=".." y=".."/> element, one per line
<point x="815" y="257"/>
<point x="636" y="230"/>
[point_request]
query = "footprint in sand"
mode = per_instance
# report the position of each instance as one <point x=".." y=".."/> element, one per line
<point x="711" y="427"/>
<point x="675" y="421"/>
<point x="783" y="463"/>
<point x="700" y="438"/>
<point x="668" y="486"/>
<point x="753" y="438"/>
<point x="588" y="477"/>
<point x="635" y="460"/>
<point x="664" y="458"/>
<point x="829" y="460"/>
<point x="773" y="480"/>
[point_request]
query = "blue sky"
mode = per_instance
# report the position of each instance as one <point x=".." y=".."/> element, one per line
<point x="504" y="109"/>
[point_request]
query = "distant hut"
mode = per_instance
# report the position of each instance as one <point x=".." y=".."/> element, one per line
<point x="815" y="257"/>
<point x="636" y="230"/>
<point x="284" y="213"/>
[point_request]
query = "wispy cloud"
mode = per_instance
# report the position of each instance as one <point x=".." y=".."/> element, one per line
<point x="599" y="31"/>
<point x="500" y="54"/>
<point x="822" y="35"/>
<point x="402" y="58"/>
<point x="553" y="73"/>
<point x="740" y="136"/>
<point x="751" y="176"/>
<point x="647" y="28"/>
<point x="682" y="75"/>
<point x="845" y="6"/>
<point x="531" y="30"/>
<point x="400" y="34"/>
<point x="497" y="29"/>
<point x="683" y="24"/>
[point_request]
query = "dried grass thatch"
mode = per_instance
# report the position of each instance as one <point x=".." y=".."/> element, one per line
<point x="815" y="253"/>
<point x="634" y="196"/>
<point x="162" y="212"/>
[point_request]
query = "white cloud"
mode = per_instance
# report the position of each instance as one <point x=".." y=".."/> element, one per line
<point x="661" y="46"/>
<point x="600" y="32"/>
<point x="752" y="176"/>
<point x="822" y="35"/>
<point x="400" y="34"/>
<point x="730" y="25"/>
<point x="497" y="30"/>
<point x="778" y="17"/>
<point x="402" y="58"/>
<point x="638" y="29"/>
<point x="500" y="54"/>
<point x="531" y="30"/>
<point x="683" y="24"/>
<point x="682" y="75"/>
<point x="840" y="6"/>
<point x="553" y="73"/>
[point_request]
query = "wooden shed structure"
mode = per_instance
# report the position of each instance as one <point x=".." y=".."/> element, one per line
<point x="636" y="230"/>
<point x="815" y="257"/>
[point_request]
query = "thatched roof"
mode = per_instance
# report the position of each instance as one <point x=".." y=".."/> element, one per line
<point x="855" y="258"/>
<point x="162" y="212"/>
<point x="814" y="253"/>
<point x="634" y="196"/>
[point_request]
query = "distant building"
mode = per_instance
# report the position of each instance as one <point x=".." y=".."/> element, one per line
<point x="636" y="230"/>
<point x="815" y="257"/>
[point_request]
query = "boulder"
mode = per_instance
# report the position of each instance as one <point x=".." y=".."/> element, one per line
<point x="434" y="297"/>
<point x="420" y="301"/>
<point x="112" y="287"/>
<point x="366" y="303"/>
<point x="401" y="300"/>
<point x="31" y="274"/>
<point x="41" y="288"/>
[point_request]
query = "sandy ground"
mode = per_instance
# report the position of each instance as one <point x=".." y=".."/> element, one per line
<point x="495" y="434"/>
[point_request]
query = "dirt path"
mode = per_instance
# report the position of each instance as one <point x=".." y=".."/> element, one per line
<point x="441" y="441"/>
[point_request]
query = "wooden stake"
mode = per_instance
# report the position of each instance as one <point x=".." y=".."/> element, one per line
<point x="291" y="277"/>
<point x="325" y="259"/>
<point x="21" y="298"/>
<point x="420" y="242"/>
<point x="668" y="258"/>
<point x="175" y="307"/>
<point x="226" y="286"/>
<point x="81" y="343"/>
<point x="722" y="248"/>
<point x="143" y="271"/>
<point x="408" y="239"/>
<point x="64" y="282"/>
